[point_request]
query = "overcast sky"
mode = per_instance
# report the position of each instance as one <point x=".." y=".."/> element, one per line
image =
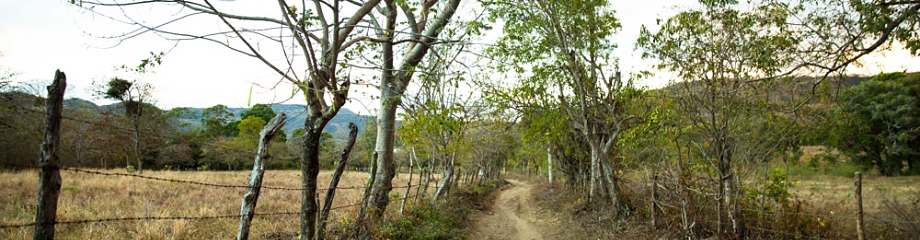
<point x="39" y="36"/>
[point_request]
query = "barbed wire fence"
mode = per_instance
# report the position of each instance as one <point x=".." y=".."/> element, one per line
<point x="97" y="122"/>
<point x="658" y="196"/>
<point x="196" y="183"/>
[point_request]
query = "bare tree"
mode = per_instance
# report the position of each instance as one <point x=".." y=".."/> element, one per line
<point x="307" y="36"/>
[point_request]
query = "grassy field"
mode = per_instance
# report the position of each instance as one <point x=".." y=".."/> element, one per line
<point x="93" y="196"/>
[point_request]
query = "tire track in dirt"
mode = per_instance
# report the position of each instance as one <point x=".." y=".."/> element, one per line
<point x="512" y="216"/>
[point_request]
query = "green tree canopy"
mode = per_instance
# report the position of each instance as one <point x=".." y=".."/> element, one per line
<point x="885" y="122"/>
<point x="260" y="110"/>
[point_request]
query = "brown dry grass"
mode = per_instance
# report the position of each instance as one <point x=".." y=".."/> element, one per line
<point x="828" y="199"/>
<point x="834" y="197"/>
<point x="91" y="196"/>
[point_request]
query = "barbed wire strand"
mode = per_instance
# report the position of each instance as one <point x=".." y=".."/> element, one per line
<point x="197" y="218"/>
<point x="190" y="182"/>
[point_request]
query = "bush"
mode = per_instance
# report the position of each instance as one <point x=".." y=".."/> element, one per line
<point x="425" y="221"/>
<point x="442" y="220"/>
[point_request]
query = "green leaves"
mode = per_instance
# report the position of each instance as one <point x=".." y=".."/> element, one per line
<point x="118" y="88"/>
<point x="886" y="112"/>
<point x="693" y="44"/>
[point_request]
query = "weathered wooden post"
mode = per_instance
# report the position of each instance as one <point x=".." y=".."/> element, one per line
<point x="654" y="203"/>
<point x="860" y="230"/>
<point x="360" y="227"/>
<point x="49" y="187"/>
<point x="339" y="169"/>
<point x="248" y="208"/>
<point x="402" y="206"/>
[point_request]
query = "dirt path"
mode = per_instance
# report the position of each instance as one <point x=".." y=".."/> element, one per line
<point x="512" y="217"/>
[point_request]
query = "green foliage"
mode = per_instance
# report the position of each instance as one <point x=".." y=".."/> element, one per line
<point x="260" y="110"/>
<point x="425" y="221"/>
<point x="882" y="122"/>
<point x="118" y="88"/>
<point x="778" y="185"/>
<point x="249" y="131"/>
<point x="685" y="42"/>
<point x="328" y="151"/>
<point x="446" y="220"/>
<point x="216" y="121"/>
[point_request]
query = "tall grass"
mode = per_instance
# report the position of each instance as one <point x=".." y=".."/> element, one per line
<point x="90" y="196"/>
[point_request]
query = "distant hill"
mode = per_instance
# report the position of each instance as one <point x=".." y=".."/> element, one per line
<point x="338" y="126"/>
<point x="296" y="114"/>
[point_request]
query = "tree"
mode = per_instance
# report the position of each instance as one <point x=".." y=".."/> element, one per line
<point x="423" y="33"/>
<point x="216" y="119"/>
<point x="438" y="119"/>
<point x="249" y="131"/>
<point x="266" y="113"/>
<point x="883" y="122"/>
<point x="21" y="130"/>
<point x="567" y="47"/>
<point x="132" y="95"/>
<point x="720" y="55"/>
<point x="259" y="110"/>
<point x="313" y="37"/>
<point x="835" y="34"/>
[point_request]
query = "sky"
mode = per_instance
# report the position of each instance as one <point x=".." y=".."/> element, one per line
<point x="39" y="36"/>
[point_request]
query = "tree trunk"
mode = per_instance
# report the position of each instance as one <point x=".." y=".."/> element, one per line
<point x="595" y="174"/>
<point x="392" y="87"/>
<point x="549" y="163"/>
<point x="49" y="186"/>
<point x="723" y="152"/>
<point x="612" y="188"/>
<point x="309" y="167"/>
<point x="386" y="118"/>
<point x="386" y="166"/>
<point x="137" y="145"/>
<point x="336" y="176"/>
<point x="251" y="198"/>
<point x="445" y="184"/>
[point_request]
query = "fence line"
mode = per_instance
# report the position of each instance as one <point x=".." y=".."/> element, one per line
<point x="126" y="219"/>
<point x="830" y="216"/>
<point x="772" y="231"/>
<point x="79" y="170"/>
<point x="835" y="216"/>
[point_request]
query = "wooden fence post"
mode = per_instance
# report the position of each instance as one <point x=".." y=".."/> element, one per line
<point x="49" y="186"/>
<point x="336" y="176"/>
<point x="248" y="208"/>
<point x="402" y="206"/>
<point x="360" y="227"/>
<point x="654" y="203"/>
<point x="860" y="230"/>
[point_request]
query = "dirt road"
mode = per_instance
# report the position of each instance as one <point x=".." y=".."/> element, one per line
<point x="512" y="216"/>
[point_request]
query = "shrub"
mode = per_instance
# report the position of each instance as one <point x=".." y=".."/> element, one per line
<point x="425" y="221"/>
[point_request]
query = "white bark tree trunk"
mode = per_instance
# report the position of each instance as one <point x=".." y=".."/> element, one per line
<point x="549" y="163"/>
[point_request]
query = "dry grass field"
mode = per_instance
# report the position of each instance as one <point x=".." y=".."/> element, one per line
<point x="93" y="196"/>
<point x="834" y="198"/>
